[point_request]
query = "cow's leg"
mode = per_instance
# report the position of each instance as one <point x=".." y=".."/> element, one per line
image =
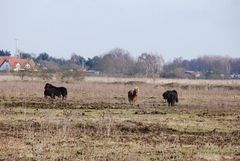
<point x="169" y="102"/>
<point x="53" y="96"/>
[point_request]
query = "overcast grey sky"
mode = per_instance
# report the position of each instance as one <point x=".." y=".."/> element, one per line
<point x="172" y="28"/>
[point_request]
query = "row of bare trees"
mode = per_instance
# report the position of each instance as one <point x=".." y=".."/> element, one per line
<point x="209" y="67"/>
<point x="119" y="62"/>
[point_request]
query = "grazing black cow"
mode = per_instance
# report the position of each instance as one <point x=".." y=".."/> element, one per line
<point x="56" y="91"/>
<point x="171" y="96"/>
<point x="52" y="93"/>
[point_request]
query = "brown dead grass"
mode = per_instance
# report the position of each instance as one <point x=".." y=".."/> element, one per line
<point x="97" y="123"/>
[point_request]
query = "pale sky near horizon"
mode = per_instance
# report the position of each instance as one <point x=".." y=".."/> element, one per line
<point x="172" y="28"/>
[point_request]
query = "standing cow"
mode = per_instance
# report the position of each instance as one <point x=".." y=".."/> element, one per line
<point x="53" y="91"/>
<point x="133" y="95"/>
<point x="171" y="96"/>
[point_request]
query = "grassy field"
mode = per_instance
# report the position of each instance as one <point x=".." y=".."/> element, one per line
<point x="97" y="123"/>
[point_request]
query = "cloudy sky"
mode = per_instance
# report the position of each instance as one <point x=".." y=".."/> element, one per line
<point x="172" y="28"/>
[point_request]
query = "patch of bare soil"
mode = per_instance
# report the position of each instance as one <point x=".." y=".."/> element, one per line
<point x="41" y="103"/>
<point x="138" y="131"/>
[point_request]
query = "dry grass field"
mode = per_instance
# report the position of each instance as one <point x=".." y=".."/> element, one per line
<point x="97" y="123"/>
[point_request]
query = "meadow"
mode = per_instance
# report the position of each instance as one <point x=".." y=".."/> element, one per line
<point x="96" y="122"/>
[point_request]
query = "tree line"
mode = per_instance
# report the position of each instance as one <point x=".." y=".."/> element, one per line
<point x="119" y="62"/>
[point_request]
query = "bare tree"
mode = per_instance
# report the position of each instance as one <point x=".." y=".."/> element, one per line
<point x="116" y="62"/>
<point x="77" y="59"/>
<point x="150" y="64"/>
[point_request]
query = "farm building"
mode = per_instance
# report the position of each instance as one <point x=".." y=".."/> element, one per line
<point x="8" y="63"/>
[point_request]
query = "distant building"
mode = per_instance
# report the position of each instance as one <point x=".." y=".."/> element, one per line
<point x="8" y="63"/>
<point x="5" y="66"/>
<point x="192" y="74"/>
<point x="92" y="73"/>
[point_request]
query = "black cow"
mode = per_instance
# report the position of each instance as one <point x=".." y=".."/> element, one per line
<point x="171" y="96"/>
<point x="56" y="91"/>
<point x="52" y="92"/>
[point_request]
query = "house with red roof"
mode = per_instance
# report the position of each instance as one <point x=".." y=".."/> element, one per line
<point x="11" y="63"/>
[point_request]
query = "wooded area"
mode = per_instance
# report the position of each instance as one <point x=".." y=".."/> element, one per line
<point x="119" y="62"/>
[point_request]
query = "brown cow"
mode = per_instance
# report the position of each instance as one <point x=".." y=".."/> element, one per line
<point x="133" y="95"/>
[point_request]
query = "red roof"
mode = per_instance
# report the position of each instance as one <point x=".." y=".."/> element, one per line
<point x="13" y="61"/>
